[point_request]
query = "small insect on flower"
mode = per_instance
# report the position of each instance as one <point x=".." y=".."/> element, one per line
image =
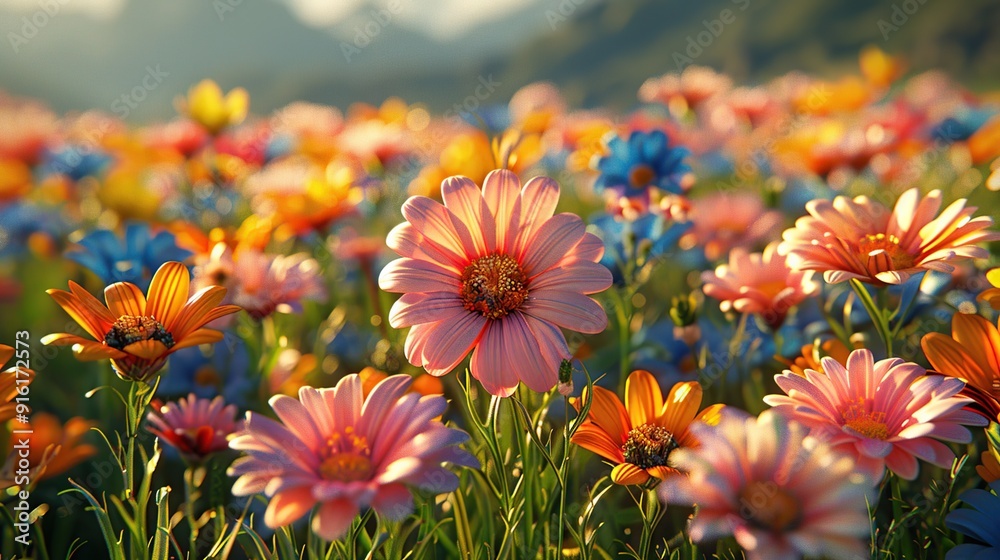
<point x="137" y="334"/>
<point x="640" y="435"/>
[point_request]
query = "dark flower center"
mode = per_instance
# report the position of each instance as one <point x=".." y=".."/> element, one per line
<point x="648" y="446"/>
<point x="770" y="507"/>
<point x="641" y="175"/>
<point x="129" y="329"/>
<point x="493" y="285"/>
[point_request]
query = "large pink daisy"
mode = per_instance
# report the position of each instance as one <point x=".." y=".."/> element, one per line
<point x="493" y="271"/>
<point x="779" y="492"/>
<point x="887" y="414"/>
<point x="862" y="239"/>
<point x="347" y="453"/>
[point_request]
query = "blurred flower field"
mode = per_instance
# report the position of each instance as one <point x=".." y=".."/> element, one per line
<point x="735" y="321"/>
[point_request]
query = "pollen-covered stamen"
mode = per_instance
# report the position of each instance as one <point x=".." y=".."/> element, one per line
<point x="882" y="253"/>
<point x="641" y="175"/>
<point x="129" y="329"/>
<point x="870" y="424"/>
<point x="493" y="285"/>
<point x="648" y="446"/>
<point x="348" y="457"/>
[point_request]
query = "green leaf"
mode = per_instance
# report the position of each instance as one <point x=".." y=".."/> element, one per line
<point x="103" y="519"/>
<point x="161" y="540"/>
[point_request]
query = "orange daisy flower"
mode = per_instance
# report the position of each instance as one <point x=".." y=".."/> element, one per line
<point x="812" y="355"/>
<point x="989" y="467"/>
<point x="135" y="333"/>
<point x="54" y="448"/>
<point x="971" y="353"/>
<point x="639" y="435"/>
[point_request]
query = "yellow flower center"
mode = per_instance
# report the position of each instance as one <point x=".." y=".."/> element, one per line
<point x="641" y="175"/>
<point x="346" y="467"/>
<point x="348" y="458"/>
<point x="773" y="288"/>
<point x="493" y="285"/>
<point x="882" y="253"/>
<point x="870" y="424"/>
<point x="129" y="329"/>
<point x="768" y="506"/>
<point x="648" y="446"/>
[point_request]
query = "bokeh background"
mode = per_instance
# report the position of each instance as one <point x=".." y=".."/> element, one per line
<point x="88" y="53"/>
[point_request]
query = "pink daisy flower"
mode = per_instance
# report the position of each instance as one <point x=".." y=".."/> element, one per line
<point x="779" y="492"/>
<point x="759" y="283"/>
<point x="862" y="239"/>
<point x="345" y="453"/>
<point x="492" y="271"/>
<point x="887" y="414"/>
<point x="724" y="221"/>
<point x="196" y="427"/>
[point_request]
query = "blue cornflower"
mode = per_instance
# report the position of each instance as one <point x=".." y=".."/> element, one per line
<point x="75" y="162"/>
<point x="644" y="160"/>
<point x="131" y="258"/>
<point x="635" y="242"/>
<point x="20" y="220"/>
<point x="978" y="522"/>
<point x="223" y="371"/>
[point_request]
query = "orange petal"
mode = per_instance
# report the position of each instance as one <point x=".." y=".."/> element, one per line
<point x="662" y="473"/>
<point x="94" y="305"/>
<point x="168" y="291"/>
<point x="643" y="398"/>
<point x="592" y="438"/>
<point x="200" y="336"/>
<point x="681" y="406"/>
<point x="146" y="349"/>
<point x="125" y="299"/>
<point x="200" y="304"/>
<point x="90" y="351"/>
<point x="979" y="338"/>
<point x="6" y="353"/>
<point x="950" y="358"/>
<point x="992" y="296"/>
<point x="608" y="412"/>
<point x="627" y="474"/>
<point x="72" y="306"/>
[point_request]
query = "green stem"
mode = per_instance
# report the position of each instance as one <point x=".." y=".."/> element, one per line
<point x="623" y="313"/>
<point x="897" y="514"/>
<point x="189" y="499"/>
<point x="877" y="312"/>
<point x="651" y="511"/>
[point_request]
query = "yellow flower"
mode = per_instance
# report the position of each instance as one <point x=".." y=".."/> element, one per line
<point x="137" y="334"/>
<point x="206" y="105"/>
<point x="992" y="295"/>
<point x="879" y="68"/>
<point x="989" y="469"/>
<point x="639" y="435"/>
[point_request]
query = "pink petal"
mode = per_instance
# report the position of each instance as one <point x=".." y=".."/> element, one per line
<point x="465" y="200"/>
<point x="502" y="191"/>
<point x="285" y="507"/>
<point x="579" y="276"/>
<point x="414" y="275"/>
<point x="393" y="502"/>
<point x="538" y="203"/>
<point x="416" y="308"/>
<point x="489" y="362"/>
<point x="334" y="518"/>
<point x="550" y="244"/>
<point x="569" y="310"/>
<point x="450" y="341"/>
